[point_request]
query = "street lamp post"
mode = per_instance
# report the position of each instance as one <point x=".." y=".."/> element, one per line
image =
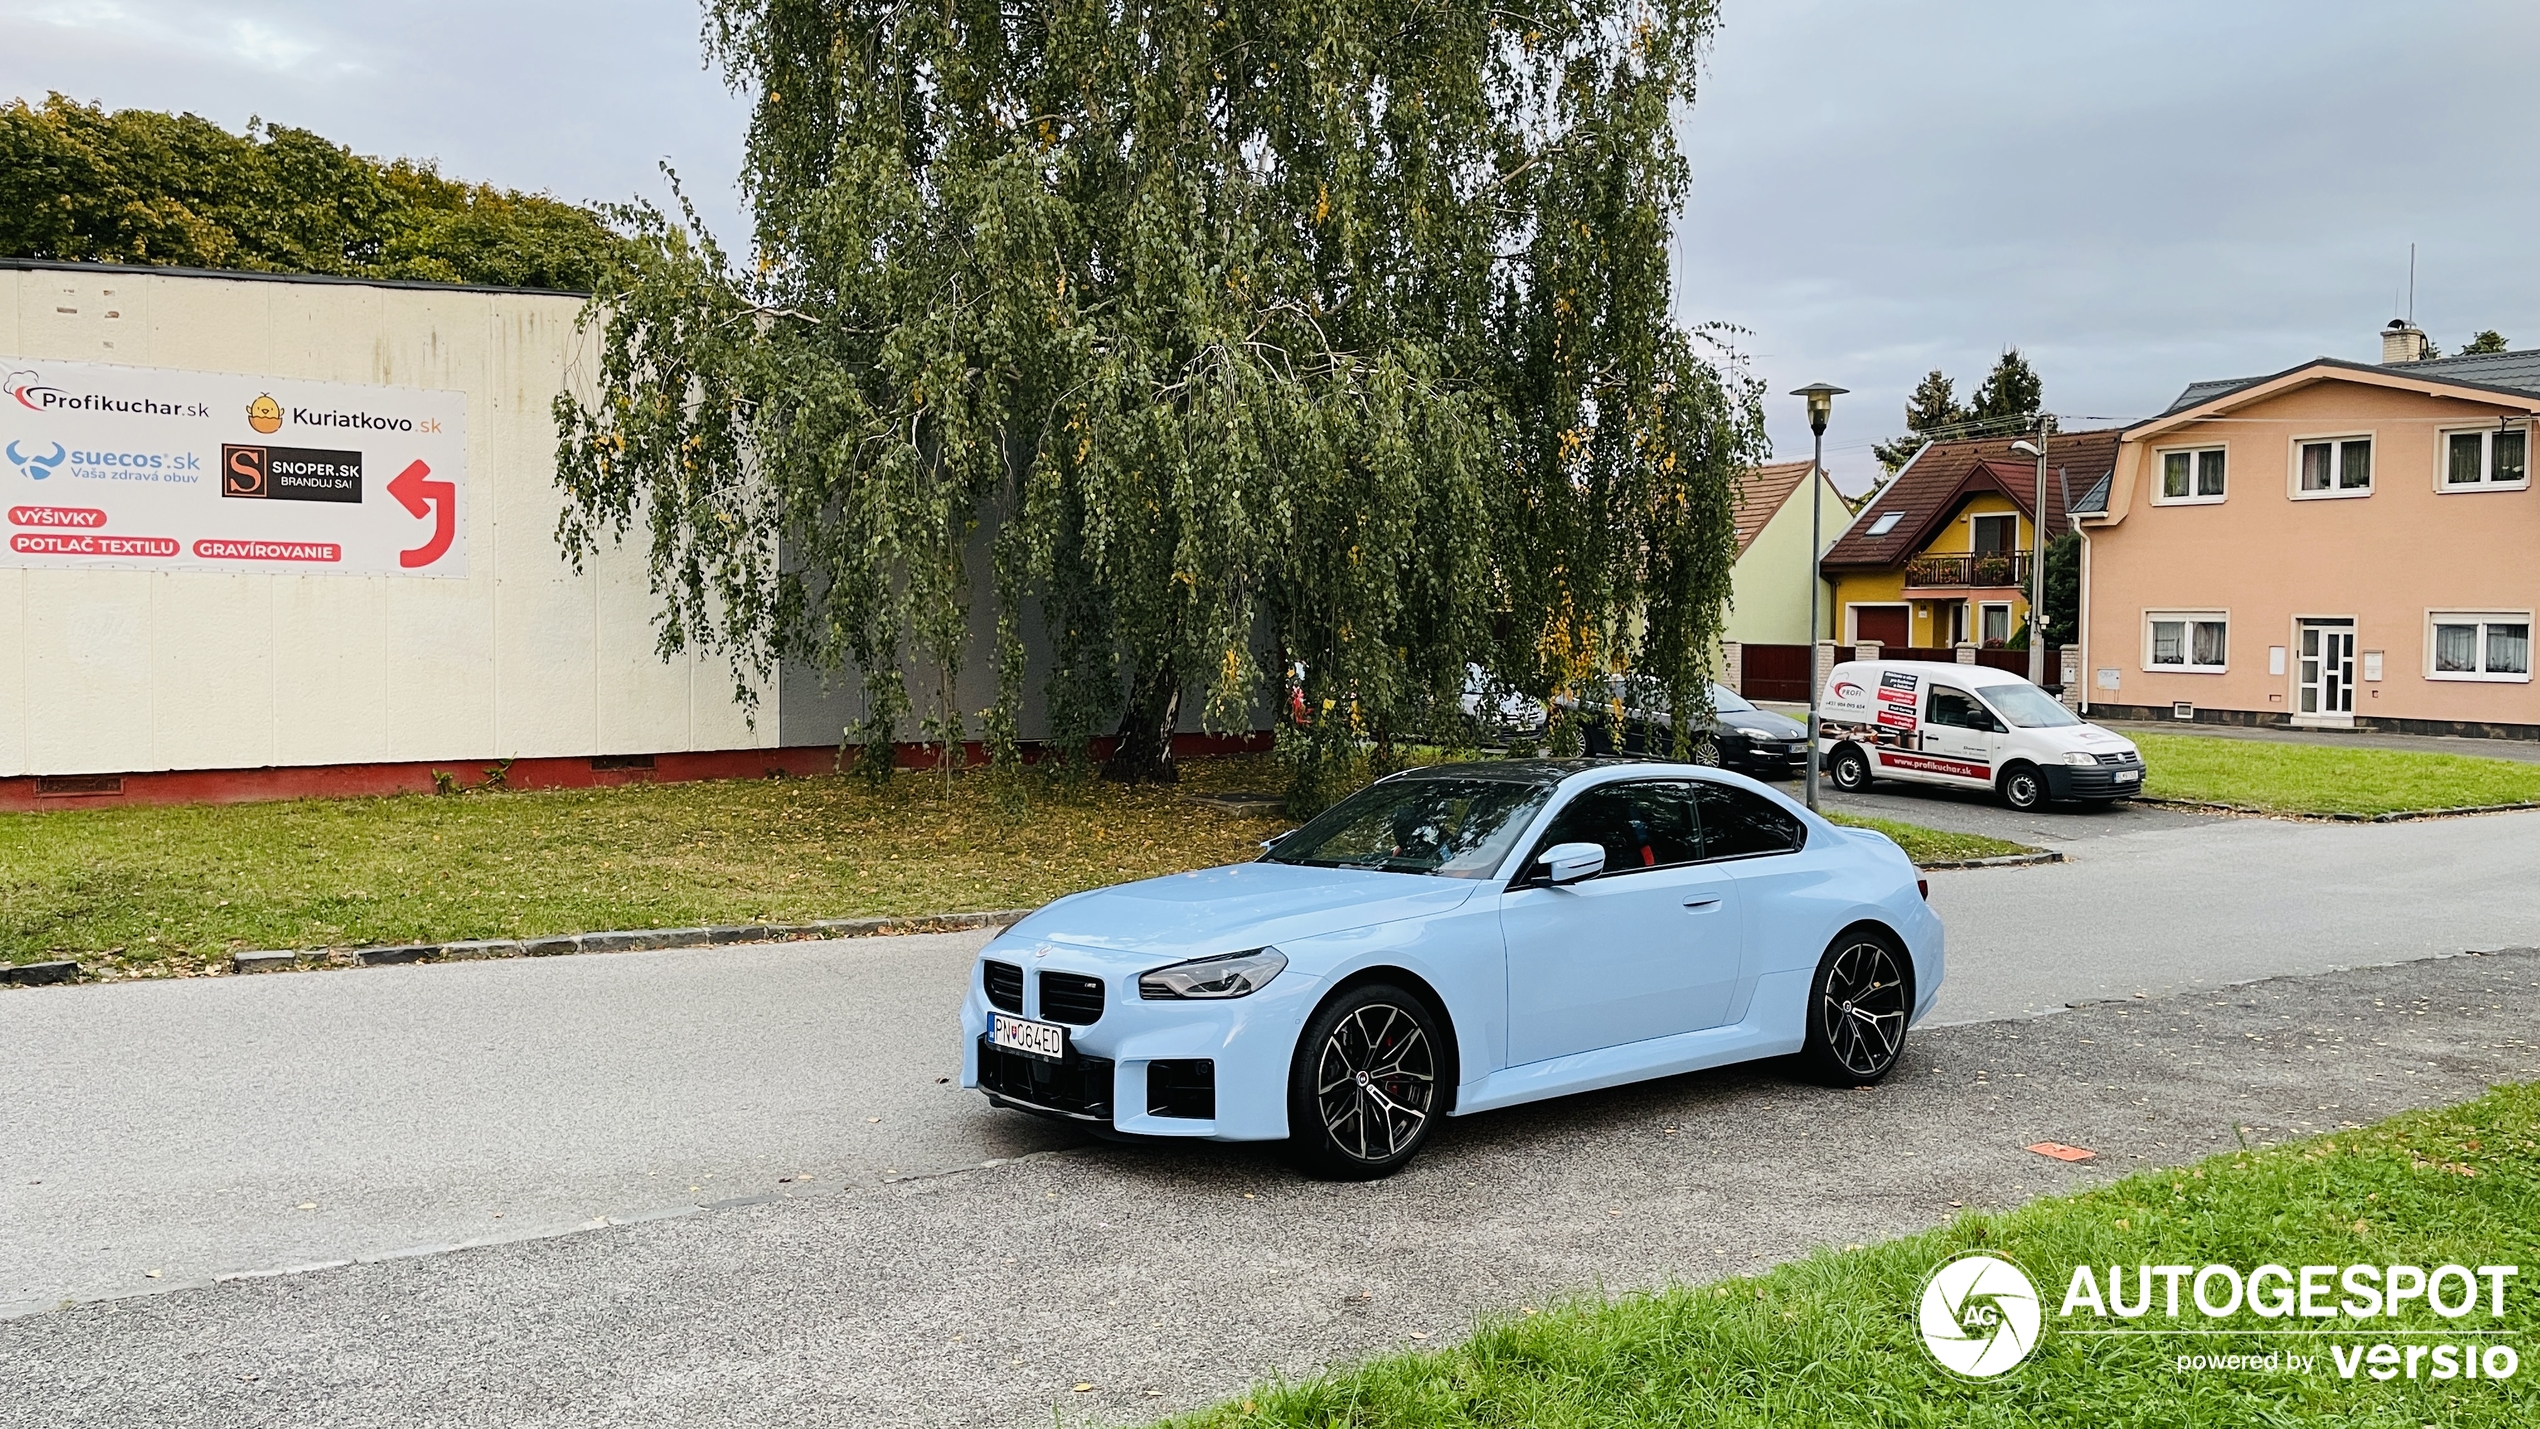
<point x="1820" y="403"/>
<point x="2037" y="553"/>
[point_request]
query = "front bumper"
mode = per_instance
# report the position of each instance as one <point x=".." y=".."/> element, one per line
<point x="1110" y="1076"/>
<point x="2096" y="782"/>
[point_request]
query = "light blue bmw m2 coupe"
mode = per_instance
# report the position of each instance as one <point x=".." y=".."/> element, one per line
<point x="1455" y="939"/>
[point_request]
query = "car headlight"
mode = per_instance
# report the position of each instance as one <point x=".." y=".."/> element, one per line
<point x="1226" y="975"/>
<point x="1754" y="733"/>
<point x="2080" y="756"/>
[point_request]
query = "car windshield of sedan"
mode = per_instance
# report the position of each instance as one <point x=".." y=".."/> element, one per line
<point x="1728" y="701"/>
<point x="1453" y="828"/>
<point x="2029" y="707"/>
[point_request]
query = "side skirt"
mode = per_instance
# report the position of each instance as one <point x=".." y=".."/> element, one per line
<point x="1775" y="1026"/>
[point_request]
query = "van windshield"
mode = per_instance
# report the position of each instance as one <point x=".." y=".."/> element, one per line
<point x="2029" y="707"/>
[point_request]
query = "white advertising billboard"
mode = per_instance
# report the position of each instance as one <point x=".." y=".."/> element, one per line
<point x="151" y="469"/>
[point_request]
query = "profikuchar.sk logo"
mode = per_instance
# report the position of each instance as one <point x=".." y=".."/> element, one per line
<point x="38" y="464"/>
<point x="1980" y="1316"/>
<point x="28" y="389"/>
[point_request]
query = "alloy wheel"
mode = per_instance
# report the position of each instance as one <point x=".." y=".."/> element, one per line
<point x="1375" y="1081"/>
<point x="1863" y="1009"/>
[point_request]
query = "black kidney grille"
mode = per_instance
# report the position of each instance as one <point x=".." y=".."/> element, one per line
<point x="1005" y="986"/>
<point x="1071" y="997"/>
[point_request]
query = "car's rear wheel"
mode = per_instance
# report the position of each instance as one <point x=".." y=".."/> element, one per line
<point x="2023" y="788"/>
<point x="1363" y="1091"/>
<point x="1849" y="769"/>
<point x="1858" y="1006"/>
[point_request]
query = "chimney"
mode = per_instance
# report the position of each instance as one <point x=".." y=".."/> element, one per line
<point x="2402" y="341"/>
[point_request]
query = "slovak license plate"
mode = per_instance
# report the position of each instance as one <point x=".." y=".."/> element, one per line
<point x="1033" y="1039"/>
<point x="2128" y="776"/>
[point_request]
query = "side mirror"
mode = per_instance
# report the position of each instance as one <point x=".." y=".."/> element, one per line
<point x="1273" y="841"/>
<point x="1568" y="863"/>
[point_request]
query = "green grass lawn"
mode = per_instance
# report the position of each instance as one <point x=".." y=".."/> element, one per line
<point x="2323" y="779"/>
<point x="173" y="890"/>
<point x="1832" y="1340"/>
<point x="1924" y="845"/>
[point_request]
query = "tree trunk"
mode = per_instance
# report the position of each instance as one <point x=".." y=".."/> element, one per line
<point x="1145" y="752"/>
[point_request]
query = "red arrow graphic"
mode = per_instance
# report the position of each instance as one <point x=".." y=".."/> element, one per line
<point x="420" y="496"/>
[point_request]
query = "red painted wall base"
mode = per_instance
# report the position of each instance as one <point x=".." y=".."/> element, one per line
<point x="34" y="793"/>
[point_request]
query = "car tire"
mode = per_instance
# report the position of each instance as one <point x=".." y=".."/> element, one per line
<point x="1850" y="769"/>
<point x="1366" y="1086"/>
<point x="1858" y="1006"/>
<point x="2024" y="788"/>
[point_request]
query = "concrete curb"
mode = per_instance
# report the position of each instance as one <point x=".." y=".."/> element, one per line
<point x="39" y="974"/>
<point x="2009" y="860"/>
<point x="627" y="941"/>
<point x="2395" y="816"/>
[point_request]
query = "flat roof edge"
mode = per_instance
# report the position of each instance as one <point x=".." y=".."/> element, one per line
<point x="155" y="270"/>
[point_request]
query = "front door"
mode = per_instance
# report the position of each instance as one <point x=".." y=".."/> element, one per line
<point x="2325" y="673"/>
<point x="1648" y="948"/>
<point x="1960" y="737"/>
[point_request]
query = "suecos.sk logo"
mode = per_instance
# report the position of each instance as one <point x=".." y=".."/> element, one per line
<point x="1980" y="1316"/>
<point x="37" y="464"/>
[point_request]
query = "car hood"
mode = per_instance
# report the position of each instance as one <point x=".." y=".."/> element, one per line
<point x="1779" y="726"/>
<point x="1244" y="905"/>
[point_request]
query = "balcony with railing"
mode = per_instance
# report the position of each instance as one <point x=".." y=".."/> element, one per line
<point x="1990" y="570"/>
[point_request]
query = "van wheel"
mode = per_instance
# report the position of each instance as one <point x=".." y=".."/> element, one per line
<point x="1850" y="769"/>
<point x="2023" y="788"/>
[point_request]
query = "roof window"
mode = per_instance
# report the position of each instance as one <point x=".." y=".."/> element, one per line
<point x="1886" y="523"/>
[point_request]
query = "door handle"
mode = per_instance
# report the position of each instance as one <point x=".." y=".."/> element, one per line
<point x="1701" y="905"/>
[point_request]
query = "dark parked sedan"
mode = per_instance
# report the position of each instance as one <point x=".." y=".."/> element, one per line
<point x="1750" y="740"/>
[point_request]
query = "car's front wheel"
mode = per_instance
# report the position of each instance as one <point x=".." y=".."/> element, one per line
<point x="1363" y="1090"/>
<point x="2023" y="788"/>
<point x="1858" y="1006"/>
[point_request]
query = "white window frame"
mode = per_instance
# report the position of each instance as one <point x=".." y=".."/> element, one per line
<point x="2486" y="458"/>
<point x="2187" y="647"/>
<point x="2008" y="629"/>
<point x="2011" y="516"/>
<point x="2336" y="443"/>
<point x="2481" y="619"/>
<point x="2160" y="471"/>
<point x="1852" y="616"/>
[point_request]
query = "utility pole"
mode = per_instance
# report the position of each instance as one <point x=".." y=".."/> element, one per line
<point x="2037" y="553"/>
<point x="1820" y="404"/>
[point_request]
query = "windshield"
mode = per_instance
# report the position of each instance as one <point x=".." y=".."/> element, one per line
<point x="1455" y="828"/>
<point x="2028" y="707"/>
<point x="1728" y="701"/>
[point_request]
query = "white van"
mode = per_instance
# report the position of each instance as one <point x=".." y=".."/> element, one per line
<point x="1966" y="727"/>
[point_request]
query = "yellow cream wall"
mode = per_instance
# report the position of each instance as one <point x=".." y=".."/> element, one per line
<point x="1956" y="538"/>
<point x="1768" y="588"/>
<point x="114" y="671"/>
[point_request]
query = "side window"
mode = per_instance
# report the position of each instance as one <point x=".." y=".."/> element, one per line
<point x="1639" y="825"/>
<point x="1956" y="709"/>
<point x="1738" y="823"/>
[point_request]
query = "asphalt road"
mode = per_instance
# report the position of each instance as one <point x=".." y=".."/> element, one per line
<point x="216" y="1127"/>
<point x="1164" y="1277"/>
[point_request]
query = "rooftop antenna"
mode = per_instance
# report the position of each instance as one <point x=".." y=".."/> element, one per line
<point x="2412" y="285"/>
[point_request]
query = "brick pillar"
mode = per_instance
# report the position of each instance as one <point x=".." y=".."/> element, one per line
<point x="1867" y="650"/>
<point x="2071" y="656"/>
<point x="1966" y="652"/>
<point x="1733" y="666"/>
<point x="1825" y="664"/>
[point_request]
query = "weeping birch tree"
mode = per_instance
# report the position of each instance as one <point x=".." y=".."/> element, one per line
<point x="1291" y="357"/>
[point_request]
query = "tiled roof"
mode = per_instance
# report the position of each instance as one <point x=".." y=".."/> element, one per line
<point x="2094" y="502"/>
<point x="1943" y="475"/>
<point x="2514" y="371"/>
<point x="1760" y="494"/>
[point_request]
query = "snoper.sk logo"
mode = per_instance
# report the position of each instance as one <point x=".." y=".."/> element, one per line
<point x="1979" y="1316"/>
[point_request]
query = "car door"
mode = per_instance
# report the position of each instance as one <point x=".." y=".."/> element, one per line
<point x="1961" y="739"/>
<point x="1648" y="948"/>
<point x="1785" y="902"/>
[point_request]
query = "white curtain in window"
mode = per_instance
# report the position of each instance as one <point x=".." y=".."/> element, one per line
<point x="2168" y="643"/>
<point x="2209" y="642"/>
<point x="2456" y="648"/>
<point x="2508" y="649"/>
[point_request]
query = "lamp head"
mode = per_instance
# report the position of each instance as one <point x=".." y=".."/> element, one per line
<point x="1820" y="402"/>
<point x="2026" y="448"/>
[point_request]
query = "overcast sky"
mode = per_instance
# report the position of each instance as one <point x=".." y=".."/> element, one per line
<point x="2138" y="195"/>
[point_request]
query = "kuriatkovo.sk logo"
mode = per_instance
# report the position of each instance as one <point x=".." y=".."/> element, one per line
<point x="1980" y="1315"/>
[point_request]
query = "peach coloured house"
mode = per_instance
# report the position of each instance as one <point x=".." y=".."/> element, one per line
<point x="2338" y="545"/>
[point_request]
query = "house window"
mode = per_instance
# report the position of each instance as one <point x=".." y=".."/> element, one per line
<point x="2333" y="466"/>
<point x="1883" y="525"/>
<point x="2486" y="457"/>
<point x="2192" y="640"/>
<point x="2462" y="646"/>
<point x="2192" y="475"/>
<point x="1997" y="626"/>
<point x="1994" y="535"/>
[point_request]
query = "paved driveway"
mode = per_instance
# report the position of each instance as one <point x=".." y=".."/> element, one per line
<point x="1162" y="1278"/>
